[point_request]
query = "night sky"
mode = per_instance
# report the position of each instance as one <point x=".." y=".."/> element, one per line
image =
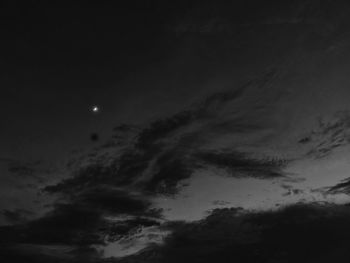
<point x="175" y="131"/>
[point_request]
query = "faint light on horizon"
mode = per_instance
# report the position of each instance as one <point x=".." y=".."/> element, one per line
<point x="134" y="243"/>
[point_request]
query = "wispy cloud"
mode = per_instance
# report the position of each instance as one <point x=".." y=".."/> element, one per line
<point x="299" y="232"/>
<point x="118" y="179"/>
<point x="330" y="134"/>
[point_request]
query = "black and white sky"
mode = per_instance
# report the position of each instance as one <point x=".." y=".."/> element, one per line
<point x="175" y="131"/>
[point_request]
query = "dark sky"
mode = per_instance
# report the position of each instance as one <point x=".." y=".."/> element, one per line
<point x="129" y="58"/>
<point x="223" y="128"/>
<point x="57" y="62"/>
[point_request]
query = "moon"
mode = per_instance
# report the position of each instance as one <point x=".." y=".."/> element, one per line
<point x="95" y="109"/>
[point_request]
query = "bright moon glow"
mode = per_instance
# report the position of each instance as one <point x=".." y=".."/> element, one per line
<point x="95" y="109"/>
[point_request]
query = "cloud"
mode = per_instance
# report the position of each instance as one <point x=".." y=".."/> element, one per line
<point x="298" y="233"/>
<point x="26" y="170"/>
<point x="343" y="187"/>
<point x="81" y="219"/>
<point x="162" y="128"/>
<point x="157" y="157"/>
<point x="170" y="169"/>
<point x="118" y="180"/>
<point x="240" y="165"/>
<point x="47" y="253"/>
<point x="15" y="216"/>
<point x="331" y="133"/>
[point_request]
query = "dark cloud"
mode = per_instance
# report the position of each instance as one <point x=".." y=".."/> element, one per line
<point x="299" y="233"/>
<point x="81" y="219"/>
<point x="83" y="178"/>
<point x="15" y="216"/>
<point x="21" y="170"/>
<point x="160" y="155"/>
<point x="77" y="223"/>
<point x="26" y="169"/>
<point x="216" y="115"/>
<point x="220" y="203"/>
<point x="343" y="187"/>
<point x="43" y="253"/>
<point x="117" y="179"/>
<point x="240" y="165"/>
<point x="124" y="228"/>
<point x="215" y="102"/>
<point x="113" y="201"/>
<point x="162" y="128"/>
<point x="291" y="190"/>
<point x="125" y="134"/>
<point x="305" y="140"/>
<point x="229" y="18"/>
<point x="170" y="169"/>
<point x="28" y="174"/>
<point x="302" y="233"/>
<point x="330" y="134"/>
